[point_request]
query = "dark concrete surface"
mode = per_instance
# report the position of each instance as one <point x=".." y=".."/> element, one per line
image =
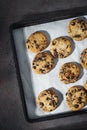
<point x="11" y="110"/>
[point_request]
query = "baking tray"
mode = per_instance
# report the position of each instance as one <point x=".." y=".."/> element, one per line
<point x="26" y="90"/>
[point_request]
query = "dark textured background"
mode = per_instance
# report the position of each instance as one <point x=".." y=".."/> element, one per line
<point x="11" y="111"/>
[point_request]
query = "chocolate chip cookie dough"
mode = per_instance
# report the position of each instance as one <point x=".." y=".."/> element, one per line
<point x="61" y="47"/>
<point x="76" y="98"/>
<point x="77" y="29"/>
<point x="47" y="100"/>
<point x="37" y="42"/>
<point x="69" y="73"/>
<point x="43" y="63"/>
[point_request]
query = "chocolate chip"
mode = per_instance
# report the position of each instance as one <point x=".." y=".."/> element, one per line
<point x="41" y="104"/>
<point x="34" y="67"/>
<point x="73" y="91"/>
<point x="28" y="46"/>
<point x="40" y="58"/>
<point x="45" y="41"/>
<point x="66" y="46"/>
<point x="37" y="46"/>
<point x="35" y="41"/>
<point x="72" y="76"/>
<point x="73" y="23"/>
<point x="82" y="22"/>
<point x="51" y="65"/>
<point x="79" y="89"/>
<point x="44" y="94"/>
<point x="84" y="29"/>
<point x="56" y="96"/>
<point x="46" y="66"/>
<point x="80" y="99"/>
<point x="54" y="103"/>
<point x="50" y="103"/>
<point x="50" y="109"/>
<point x="77" y="36"/>
<point x="82" y="61"/>
<point x="48" y="98"/>
<point x="66" y="94"/>
<point x="76" y="105"/>
<point x="52" y="60"/>
<point x="53" y="43"/>
<point x="82" y="94"/>
<point x="61" y="55"/>
<point x="55" y="53"/>
<point x="42" y="70"/>
<point x="70" y="94"/>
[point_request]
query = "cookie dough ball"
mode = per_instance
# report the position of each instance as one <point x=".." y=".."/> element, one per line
<point x="61" y="47"/>
<point x="83" y="58"/>
<point x="43" y="63"/>
<point x="69" y="73"/>
<point x="47" y="100"/>
<point x="77" y="29"/>
<point x="76" y="98"/>
<point x="37" y="42"/>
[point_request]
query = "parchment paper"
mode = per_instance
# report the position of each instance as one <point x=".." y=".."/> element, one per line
<point x="33" y="83"/>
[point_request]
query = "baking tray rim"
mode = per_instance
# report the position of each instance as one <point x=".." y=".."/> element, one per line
<point x="34" y="19"/>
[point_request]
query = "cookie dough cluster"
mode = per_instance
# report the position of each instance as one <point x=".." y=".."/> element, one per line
<point x="43" y="62"/>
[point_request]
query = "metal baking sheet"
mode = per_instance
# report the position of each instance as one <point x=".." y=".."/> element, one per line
<point x="33" y="83"/>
